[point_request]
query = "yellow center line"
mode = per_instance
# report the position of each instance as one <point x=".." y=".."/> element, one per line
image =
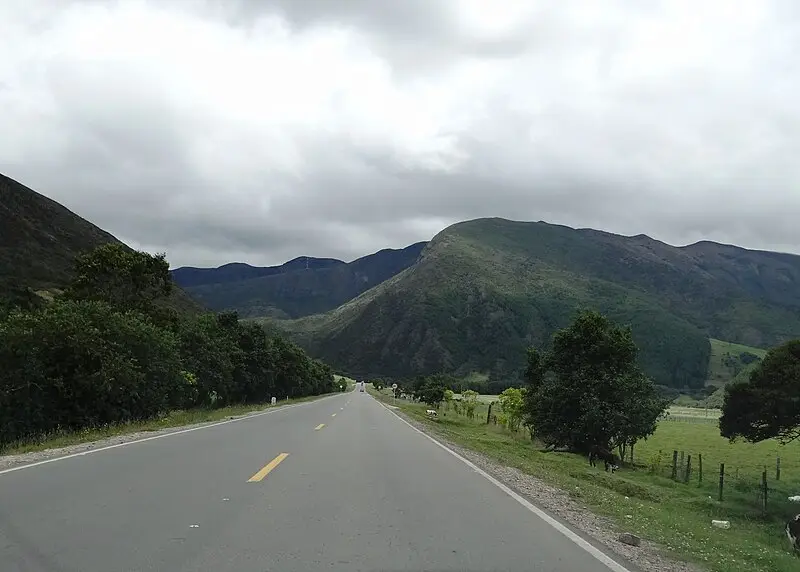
<point x="318" y="427"/>
<point x="267" y="468"/>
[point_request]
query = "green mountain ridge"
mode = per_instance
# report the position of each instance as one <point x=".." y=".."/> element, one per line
<point x="484" y="290"/>
<point x="300" y="287"/>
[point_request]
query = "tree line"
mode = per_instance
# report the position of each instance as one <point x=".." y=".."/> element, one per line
<point x="111" y="349"/>
<point x="586" y="392"/>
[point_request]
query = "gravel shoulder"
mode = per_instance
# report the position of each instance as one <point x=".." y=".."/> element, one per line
<point x="648" y="557"/>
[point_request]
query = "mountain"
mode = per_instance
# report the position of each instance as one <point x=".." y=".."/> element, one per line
<point x="189" y="276"/>
<point x="300" y="287"/>
<point x="484" y="290"/>
<point x="40" y="240"/>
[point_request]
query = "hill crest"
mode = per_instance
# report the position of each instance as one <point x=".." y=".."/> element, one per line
<point x="482" y="291"/>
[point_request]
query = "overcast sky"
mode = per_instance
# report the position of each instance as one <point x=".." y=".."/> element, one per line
<point x="261" y="130"/>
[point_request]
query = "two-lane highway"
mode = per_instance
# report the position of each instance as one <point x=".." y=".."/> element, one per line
<point x="340" y="483"/>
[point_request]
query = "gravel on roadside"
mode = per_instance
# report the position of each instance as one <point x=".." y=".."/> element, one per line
<point x="648" y="556"/>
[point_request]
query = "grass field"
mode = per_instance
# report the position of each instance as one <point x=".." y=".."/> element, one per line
<point x="694" y="414"/>
<point x="482" y="398"/>
<point x="646" y="501"/>
<point x="725" y="362"/>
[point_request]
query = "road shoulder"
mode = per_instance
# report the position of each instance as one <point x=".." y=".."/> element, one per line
<point x="11" y="461"/>
<point x="647" y="557"/>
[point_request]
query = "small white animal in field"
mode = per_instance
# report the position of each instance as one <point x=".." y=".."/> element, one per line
<point x="793" y="532"/>
<point x="432" y="413"/>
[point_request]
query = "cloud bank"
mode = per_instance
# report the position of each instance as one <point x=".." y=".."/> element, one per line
<point x="260" y="131"/>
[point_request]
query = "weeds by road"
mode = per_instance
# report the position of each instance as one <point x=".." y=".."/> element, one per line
<point x="171" y="420"/>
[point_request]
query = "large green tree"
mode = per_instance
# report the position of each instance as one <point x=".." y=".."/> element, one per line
<point x="122" y="277"/>
<point x="430" y="390"/>
<point x="768" y="404"/>
<point x="588" y="391"/>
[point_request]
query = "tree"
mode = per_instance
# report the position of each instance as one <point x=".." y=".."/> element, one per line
<point x="124" y="278"/>
<point x="110" y="351"/>
<point x="512" y="403"/>
<point x="431" y="391"/>
<point x="767" y="405"/>
<point x="209" y="354"/>
<point x="469" y="399"/>
<point x="78" y="364"/>
<point x="588" y="390"/>
<point x="448" y="398"/>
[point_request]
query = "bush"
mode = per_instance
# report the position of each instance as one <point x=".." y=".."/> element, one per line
<point x="109" y="351"/>
<point x="80" y="364"/>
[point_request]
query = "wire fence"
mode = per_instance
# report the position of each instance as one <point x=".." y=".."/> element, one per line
<point x="766" y="489"/>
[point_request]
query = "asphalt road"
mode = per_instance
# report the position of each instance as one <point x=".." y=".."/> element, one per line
<point x="277" y="492"/>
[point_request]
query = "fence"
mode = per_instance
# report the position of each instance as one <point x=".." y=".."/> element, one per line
<point x="748" y="490"/>
<point x="765" y="489"/>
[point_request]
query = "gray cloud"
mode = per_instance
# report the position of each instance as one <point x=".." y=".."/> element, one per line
<point x="261" y="131"/>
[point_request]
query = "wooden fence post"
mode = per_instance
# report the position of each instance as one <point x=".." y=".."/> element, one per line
<point x="700" y="467"/>
<point x="688" y="469"/>
<point x="674" y="465"/>
<point x="778" y="469"/>
<point x="721" y="479"/>
<point x="489" y="413"/>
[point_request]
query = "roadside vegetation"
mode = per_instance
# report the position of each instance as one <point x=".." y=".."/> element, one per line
<point x="110" y="355"/>
<point x="586" y="393"/>
<point x="167" y="420"/>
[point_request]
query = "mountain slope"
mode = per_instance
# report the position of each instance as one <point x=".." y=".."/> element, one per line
<point x="298" y="288"/>
<point x="40" y="240"/>
<point x="484" y="290"/>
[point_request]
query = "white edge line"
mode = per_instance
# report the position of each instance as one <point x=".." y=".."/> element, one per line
<point x="571" y="535"/>
<point x="154" y="437"/>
